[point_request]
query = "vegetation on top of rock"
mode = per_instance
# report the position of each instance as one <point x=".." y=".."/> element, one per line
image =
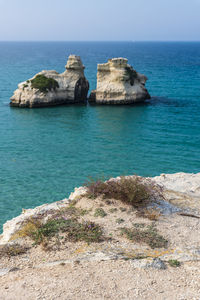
<point x="70" y="229"/>
<point x="148" y="235"/>
<point x="131" y="190"/>
<point x="44" y="84"/>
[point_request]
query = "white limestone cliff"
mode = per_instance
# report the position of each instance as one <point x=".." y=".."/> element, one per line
<point x="178" y="188"/>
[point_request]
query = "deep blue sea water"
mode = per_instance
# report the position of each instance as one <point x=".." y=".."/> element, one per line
<point x="45" y="153"/>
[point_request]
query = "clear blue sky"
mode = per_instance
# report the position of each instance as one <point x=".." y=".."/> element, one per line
<point x="107" y="20"/>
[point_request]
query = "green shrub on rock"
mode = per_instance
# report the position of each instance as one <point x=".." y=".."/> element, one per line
<point x="44" y="84"/>
<point x="73" y="230"/>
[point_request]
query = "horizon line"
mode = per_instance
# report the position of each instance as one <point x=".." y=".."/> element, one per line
<point x="102" y="41"/>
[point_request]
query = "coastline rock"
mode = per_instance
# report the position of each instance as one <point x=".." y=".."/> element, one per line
<point x="188" y="184"/>
<point x="45" y="211"/>
<point x="119" y="83"/>
<point x="78" y="193"/>
<point x="71" y="86"/>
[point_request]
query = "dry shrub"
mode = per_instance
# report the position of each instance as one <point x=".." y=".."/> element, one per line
<point x="149" y="213"/>
<point x="12" y="250"/>
<point x="26" y="230"/>
<point x="131" y="190"/>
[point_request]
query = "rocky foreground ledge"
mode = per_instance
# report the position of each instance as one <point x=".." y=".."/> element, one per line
<point x="99" y="248"/>
<point x="181" y="190"/>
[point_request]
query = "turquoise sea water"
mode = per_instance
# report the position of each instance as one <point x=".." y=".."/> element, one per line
<point x="45" y="153"/>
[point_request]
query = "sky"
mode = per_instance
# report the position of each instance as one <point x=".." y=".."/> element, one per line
<point x="99" y="20"/>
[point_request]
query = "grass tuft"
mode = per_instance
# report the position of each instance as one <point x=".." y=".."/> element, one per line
<point x="148" y="235"/>
<point x="72" y="230"/>
<point x="100" y="212"/>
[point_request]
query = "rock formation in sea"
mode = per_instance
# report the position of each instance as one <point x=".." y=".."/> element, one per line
<point x="49" y="88"/>
<point x="119" y="83"/>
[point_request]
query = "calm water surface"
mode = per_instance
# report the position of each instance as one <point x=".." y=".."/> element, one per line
<point x="45" y="153"/>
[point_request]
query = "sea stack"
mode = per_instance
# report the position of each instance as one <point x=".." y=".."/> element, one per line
<point x="49" y="88"/>
<point x="119" y="83"/>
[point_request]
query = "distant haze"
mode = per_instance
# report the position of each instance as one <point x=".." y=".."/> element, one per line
<point x="100" y="20"/>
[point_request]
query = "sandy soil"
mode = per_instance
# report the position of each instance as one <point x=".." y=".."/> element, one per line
<point x="102" y="280"/>
<point x="69" y="271"/>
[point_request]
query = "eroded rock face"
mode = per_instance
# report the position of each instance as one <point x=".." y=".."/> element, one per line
<point x="71" y="87"/>
<point x="119" y="83"/>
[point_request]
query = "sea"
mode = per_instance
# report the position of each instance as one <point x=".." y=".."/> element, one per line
<point x="45" y="153"/>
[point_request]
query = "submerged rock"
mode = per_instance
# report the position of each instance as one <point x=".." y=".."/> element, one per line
<point x="119" y="83"/>
<point x="49" y="88"/>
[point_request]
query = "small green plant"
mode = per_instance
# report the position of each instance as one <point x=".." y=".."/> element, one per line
<point x="25" y="85"/>
<point x="174" y="263"/>
<point x="113" y="210"/>
<point x="100" y="212"/>
<point x="44" y="84"/>
<point x="83" y="212"/>
<point x="119" y="221"/>
<point x="148" y="235"/>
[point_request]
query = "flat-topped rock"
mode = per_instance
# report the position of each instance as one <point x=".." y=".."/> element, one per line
<point x="119" y="83"/>
<point x="49" y="88"/>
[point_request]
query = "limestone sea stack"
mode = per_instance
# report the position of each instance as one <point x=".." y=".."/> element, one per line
<point x="49" y="88"/>
<point x="119" y="83"/>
